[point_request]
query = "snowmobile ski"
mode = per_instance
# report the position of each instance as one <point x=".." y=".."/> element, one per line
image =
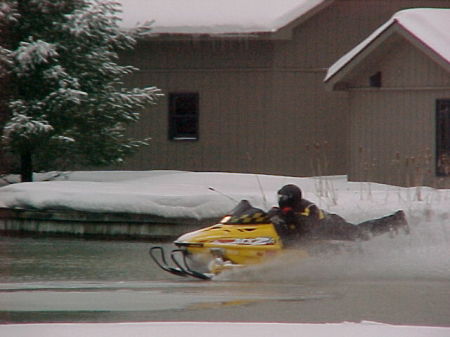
<point x="182" y="268"/>
<point x="162" y="263"/>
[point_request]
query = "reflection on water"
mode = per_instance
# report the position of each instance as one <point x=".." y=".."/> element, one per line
<point x="50" y="259"/>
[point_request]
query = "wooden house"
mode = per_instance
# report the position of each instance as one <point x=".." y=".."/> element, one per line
<point x="243" y="82"/>
<point x="398" y="86"/>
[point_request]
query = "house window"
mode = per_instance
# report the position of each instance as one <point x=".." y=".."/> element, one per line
<point x="443" y="137"/>
<point x="183" y="116"/>
<point x="375" y="80"/>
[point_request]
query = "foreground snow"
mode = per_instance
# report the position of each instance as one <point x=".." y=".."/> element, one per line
<point x="366" y="329"/>
<point x="202" y="195"/>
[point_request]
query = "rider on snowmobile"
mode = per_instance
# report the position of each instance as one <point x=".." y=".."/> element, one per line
<point x="297" y="218"/>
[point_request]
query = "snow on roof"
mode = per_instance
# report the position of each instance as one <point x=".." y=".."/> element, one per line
<point x="429" y="26"/>
<point x="214" y="16"/>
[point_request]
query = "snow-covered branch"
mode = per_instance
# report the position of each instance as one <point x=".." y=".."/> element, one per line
<point x="25" y="127"/>
<point x="32" y="53"/>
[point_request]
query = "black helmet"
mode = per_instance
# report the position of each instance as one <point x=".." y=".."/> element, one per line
<point x="290" y="196"/>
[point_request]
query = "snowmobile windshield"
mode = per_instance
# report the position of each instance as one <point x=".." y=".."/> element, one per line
<point x="245" y="213"/>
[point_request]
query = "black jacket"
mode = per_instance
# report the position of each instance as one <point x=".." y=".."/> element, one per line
<point x="294" y="224"/>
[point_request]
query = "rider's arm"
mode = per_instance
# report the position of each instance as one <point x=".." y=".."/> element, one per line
<point x="313" y="211"/>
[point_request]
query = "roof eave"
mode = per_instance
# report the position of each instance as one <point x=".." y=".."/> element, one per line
<point x="257" y="35"/>
<point x="283" y="32"/>
<point x="338" y="76"/>
<point x="336" y="81"/>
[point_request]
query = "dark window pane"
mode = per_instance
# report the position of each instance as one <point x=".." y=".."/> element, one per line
<point x="375" y="80"/>
<point x="186" y="126"/>
<point x="183" y="116"/>
<point x="185" y="105"/>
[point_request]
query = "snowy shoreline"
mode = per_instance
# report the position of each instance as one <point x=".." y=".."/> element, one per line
<point x="205" y="195"/>
<point x="164" y="204"/>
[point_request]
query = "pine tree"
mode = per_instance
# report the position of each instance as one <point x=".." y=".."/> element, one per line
<point x="68" y="106"/>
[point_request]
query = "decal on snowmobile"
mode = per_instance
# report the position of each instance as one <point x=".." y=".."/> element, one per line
<point x="261" y="241"/>
<point x="254" y="218"/>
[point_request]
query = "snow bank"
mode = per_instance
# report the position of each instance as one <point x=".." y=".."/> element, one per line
<point x="203" y="195"/>
<point x="201" y="329"/>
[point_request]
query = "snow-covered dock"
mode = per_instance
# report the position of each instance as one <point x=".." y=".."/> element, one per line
<point x="94" y="225"/>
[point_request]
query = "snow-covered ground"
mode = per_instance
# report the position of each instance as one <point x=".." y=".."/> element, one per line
<point x="211" y="194"/>
<point x="188" y="329"/>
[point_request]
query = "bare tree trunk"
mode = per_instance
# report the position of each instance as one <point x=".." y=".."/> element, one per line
<point x="26" y="166"/>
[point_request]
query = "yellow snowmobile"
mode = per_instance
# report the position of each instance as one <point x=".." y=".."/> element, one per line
<point x="244" y="237"/>
<point x="247" y="236"/>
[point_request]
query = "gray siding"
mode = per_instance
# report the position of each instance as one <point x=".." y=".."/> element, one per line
<point x="402" y="66"/>
<point x="233" y="122"/>
<point x="392" y="130"/>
